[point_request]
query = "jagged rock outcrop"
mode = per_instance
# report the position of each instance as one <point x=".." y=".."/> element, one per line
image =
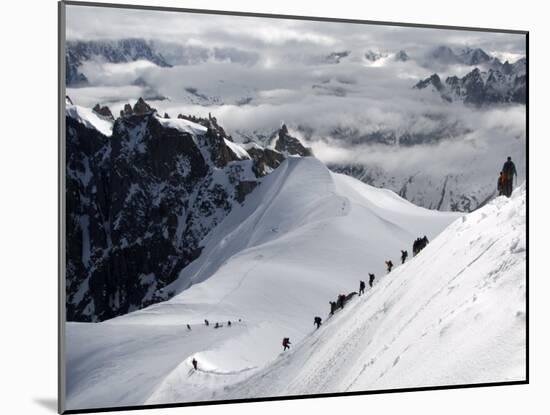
<point x="481" y="88"/>
<point x="104" y="111"/>
<point x="489" y="82"/>
<point x="290" y="145"/>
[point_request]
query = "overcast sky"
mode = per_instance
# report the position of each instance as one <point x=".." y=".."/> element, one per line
<point x="266" y="36"/>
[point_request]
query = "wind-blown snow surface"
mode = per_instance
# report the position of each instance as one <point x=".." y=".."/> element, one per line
<point x="302" y="237"/>
<point x="89" y="118"/>
<point x="455" y="314"/>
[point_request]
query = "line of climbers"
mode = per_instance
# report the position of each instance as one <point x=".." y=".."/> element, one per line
<point x="216" y="326"/>
<point x="342" y="299"/>
<point x="504" y="187"/>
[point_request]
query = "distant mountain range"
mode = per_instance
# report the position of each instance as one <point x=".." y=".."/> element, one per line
<point x="490" y="82"/>
<point x="112" y="51"/>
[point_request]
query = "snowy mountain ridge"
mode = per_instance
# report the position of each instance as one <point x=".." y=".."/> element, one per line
<point x="275" y="271"/>
<point x="301" y="237"/>
<point x="433" y="321"/>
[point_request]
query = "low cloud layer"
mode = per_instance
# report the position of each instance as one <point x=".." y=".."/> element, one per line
<point x="255" y="73"/>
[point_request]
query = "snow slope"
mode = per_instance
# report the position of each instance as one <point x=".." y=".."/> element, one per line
<point x="302" y="237"/>
<point x="454" y="314"/>
<point x="89" y="118"/>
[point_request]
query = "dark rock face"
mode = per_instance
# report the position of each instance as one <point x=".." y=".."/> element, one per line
<point x="104" y="111"/>
<point x="141" y="107"/>
<point x="140" y="202"/>
<point x="287" y="144"/>
<point x="265" y="159"/>
<point x="434" y="80"/>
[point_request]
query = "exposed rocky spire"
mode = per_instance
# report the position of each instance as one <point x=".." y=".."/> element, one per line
<point x="104" y="111"/>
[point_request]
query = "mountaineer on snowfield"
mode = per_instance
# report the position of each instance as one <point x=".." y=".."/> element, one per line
<point x="317" y="321"/>
<point x="389" y="265"/>
<point x="509" y="170"/>
<point x="286" y="343"/>
<point x="404" y="255"/>
<point x="195" y="363"/>
<point x="501" y="183"/>
<point x="371" y="279"/>
<point x="341" y="301"/>
<point x="361" y="287"/>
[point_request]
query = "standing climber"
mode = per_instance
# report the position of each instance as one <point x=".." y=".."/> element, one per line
<point x="229" y="323"/>
<point x="188" y="327"/>
<point x="424" y="241"/>
<point x="501" y="183"/>
<point x="195" y="363"/>
<point x="404" y="255"/>
<point x="341" y="300"/>
<point x="317" y="321"/>
<point x="286" y="343"/>
<point x="389" y="265"/>
<point x="206" y="323"/>
<point x="371" y="280"/>
<point x="332" y="307"/>
<point x="361" y="287"/>
<point x="509" y="170"/>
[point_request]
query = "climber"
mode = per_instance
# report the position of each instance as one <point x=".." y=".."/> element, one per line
<point x="371" y="279"/>
<point x="341" y="301"/>
<point x="404" y="255"/>
<point x="501" y="183"/>
<point x="286" y="343"/>
<point x="195" y="363"/>
<point x="509" y="170"/>
<point x="188" y="327"/>
<point x="229" y="323"/>
<point x="206" y="323"/>
<point x="332" y="307"/>
<point x="317" y="321"/>
<point x="361" y="287"/>
<point x="389" y="265"/>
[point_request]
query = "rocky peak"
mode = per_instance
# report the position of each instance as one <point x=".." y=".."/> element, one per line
<point x="104" y="111"/>
<point x="141" y="107"/>
<point x="401" y="56"/>
<point x="287" y="144"/>
<point x="434" y="80"/>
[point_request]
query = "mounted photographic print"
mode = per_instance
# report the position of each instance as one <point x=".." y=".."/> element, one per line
<point x="258" y="207"/>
